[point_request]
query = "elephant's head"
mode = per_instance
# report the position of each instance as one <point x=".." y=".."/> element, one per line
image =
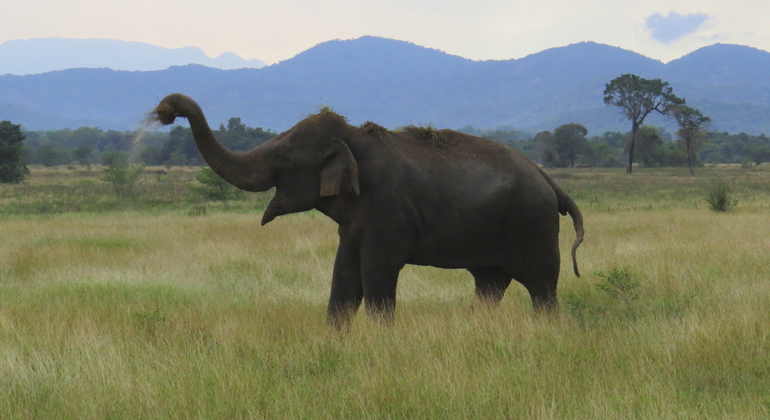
<point x="308" y="162"/>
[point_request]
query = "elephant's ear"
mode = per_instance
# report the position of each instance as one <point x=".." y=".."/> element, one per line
<point x="339" y="173"/>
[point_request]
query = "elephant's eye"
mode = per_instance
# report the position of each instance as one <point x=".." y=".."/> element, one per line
<point x="281" y="157"/>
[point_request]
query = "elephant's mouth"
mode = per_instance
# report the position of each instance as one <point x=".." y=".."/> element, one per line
<point x="273" y="210"/>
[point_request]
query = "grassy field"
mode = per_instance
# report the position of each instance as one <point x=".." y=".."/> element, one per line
<point x="145" y="309"/>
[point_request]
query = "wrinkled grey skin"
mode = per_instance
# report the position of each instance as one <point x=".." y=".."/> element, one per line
<point x="461" y="202"/>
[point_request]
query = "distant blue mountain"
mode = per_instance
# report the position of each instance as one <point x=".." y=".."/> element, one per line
<point x="42" y="55"/>
<point x="395" y="83"/>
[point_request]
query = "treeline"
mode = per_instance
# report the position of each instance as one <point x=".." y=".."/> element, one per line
<point x="89" y="145"/>
<point x="569" y="145"/>
<point x="566" y="146"/>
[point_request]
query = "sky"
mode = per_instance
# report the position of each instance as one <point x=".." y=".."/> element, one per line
<point x="276" y="30"/>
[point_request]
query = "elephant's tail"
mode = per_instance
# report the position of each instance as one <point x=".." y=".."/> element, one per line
<point x="568" y="206"/>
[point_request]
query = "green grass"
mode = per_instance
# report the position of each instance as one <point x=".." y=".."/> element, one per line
<point x="133" y="314"/>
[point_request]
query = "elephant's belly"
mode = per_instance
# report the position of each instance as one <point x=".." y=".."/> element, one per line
<point x="460" y="253"/>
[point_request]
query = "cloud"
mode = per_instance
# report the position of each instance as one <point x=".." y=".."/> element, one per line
<point x="666" y="29"/>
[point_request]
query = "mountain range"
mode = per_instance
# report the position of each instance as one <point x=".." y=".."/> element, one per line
<point x="41" y="55"/>
<point x="396" y="83"/>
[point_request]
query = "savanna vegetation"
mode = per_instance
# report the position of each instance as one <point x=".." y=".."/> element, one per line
<point x="566" y="146"/>
<point x="172" y="303"/>
<point x="88" y="145"/>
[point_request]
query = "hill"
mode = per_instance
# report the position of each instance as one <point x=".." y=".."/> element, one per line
<point x="31" y="56"/>
<point x="396" y="83"/>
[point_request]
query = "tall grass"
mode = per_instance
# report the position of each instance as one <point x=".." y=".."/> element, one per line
<point x="167" y="316"/>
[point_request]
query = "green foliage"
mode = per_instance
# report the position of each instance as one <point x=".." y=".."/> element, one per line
<point x="180" y="148"/>
<point x="758" y="153"/>
<point x="569" y="141"/>
<point x="620" y="285"/>
<point x="12" y="166"/>
<point x="719" y="198"/>
<point x="638" y="97"/>
<point x="123" y="178"/>
<point x="50" y="155"/>
<point x="82" y="154"/>
<point x="568" y="145"/>
<point x="177" y="158"/>
<point x="583" y="309"/>
<point x="747" y="163"/>
<point x="115" y="158"/>
<point x="213" y="188"/>
<point x="691" y="123"/>
<point x="600" y="154"/>
<point x="650" y="148"/>
<point x="150" y="156"/>
<point x="238" y="136"/>
<point x="544" y="145"/>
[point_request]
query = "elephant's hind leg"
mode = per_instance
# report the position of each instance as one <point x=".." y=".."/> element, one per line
<point x="540" y="276"/>
<point x="491" y="283"/>
<point x="536" y="266"/>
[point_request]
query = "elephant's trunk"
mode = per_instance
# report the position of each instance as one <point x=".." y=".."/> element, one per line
<point x="239" y="169"/>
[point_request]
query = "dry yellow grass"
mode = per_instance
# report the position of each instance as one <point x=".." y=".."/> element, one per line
<point x="131" y="315"/>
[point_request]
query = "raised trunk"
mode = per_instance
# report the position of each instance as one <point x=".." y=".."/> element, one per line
<point x="239" y="169"/>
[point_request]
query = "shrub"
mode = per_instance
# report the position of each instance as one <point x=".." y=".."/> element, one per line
<point x="620" y="285"/>
<point x="747" y="163"/>
<point x="719" y="198"/>
<point x="123" y="179"/>
<point x="213" y="188"/>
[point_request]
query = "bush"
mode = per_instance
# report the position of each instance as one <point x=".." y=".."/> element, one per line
<point x="620" y="285"/>
<point x="123" y="179"/>
<point x="719" y="198"/>
<point x="747" y="163"/>
<point x="213" y="188"/>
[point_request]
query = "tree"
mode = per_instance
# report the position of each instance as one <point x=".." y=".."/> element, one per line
<point x="638" y="97"/>
<point x="544" y="143"/>
<point x="650" y="148"/>
<point x="122" y="177"/>
<point x="12" y="167"/>
<point x="83" y="136"/>
<point x="115" y="158"/>
<point x="82" y="154"/>
<point x="49" y="155"/>
<point x="758" y="153"/>
<point x="691" y="123"/>
<point x="569" y="141"/>
<point x="615" y="139"/>
<point x="213" y="187"/>
<point x="599" y="153"/>
<point x="150" y="156"/>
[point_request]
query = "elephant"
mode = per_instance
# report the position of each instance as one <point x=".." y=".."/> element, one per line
<point x="413" y="196"/>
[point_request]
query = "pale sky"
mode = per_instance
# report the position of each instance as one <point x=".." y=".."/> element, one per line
<point x="276" y="30"/>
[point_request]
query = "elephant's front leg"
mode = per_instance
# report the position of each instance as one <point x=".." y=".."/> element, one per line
<point x="380" y="266"/>
<point x="347" y="290"/>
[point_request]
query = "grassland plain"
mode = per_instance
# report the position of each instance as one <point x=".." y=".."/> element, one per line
<point x="137" y="310"/>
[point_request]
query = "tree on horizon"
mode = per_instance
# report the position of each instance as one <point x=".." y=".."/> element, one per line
<point x="691" y="123"/>
<point x="12" y="167"/>
<point x="638" y="97"/>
